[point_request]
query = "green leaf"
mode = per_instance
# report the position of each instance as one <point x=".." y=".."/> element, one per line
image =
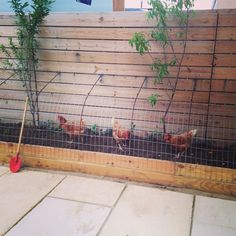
<point x="140" y="43"/>
<point x="153" y="99"/>
<point x="160" y="36"/>
<point x="172" y="63"/>
<point x="2" y="48"/>
<point x="180" y="35"/>
<point x="161" y="70"/>
<point x="94" y="128"/>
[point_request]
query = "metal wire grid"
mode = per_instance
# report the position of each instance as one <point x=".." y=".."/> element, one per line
<point x="147" y="135"/>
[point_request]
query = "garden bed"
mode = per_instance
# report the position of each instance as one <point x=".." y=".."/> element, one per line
<point x="99" y="154"/>
<point x="203" y="153"/>
<point x="167" y="173"/>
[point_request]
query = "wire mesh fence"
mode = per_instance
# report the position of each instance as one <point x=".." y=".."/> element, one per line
<point x="94" y="89"/>
<point x="125" y="126"/>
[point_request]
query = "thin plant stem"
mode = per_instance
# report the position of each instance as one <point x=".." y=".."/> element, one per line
<point x="177" y="76"/>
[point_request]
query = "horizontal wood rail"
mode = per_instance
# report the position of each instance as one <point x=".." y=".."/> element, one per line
<point x="199" y="177"/>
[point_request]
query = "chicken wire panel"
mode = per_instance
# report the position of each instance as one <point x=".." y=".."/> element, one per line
<point x="117" y="118"/>
<point x="214" y="146"/>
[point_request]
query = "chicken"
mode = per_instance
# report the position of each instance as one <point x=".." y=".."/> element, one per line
<point x="119" y="133"/>
<point x="71" y="128"/>
<point x="182" y="141"/>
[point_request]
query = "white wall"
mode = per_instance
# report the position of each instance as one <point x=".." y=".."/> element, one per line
<point x="225" y="4"/>
<point x="198" y="4"/>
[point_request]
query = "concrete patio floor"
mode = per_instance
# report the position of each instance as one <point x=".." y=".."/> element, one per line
<point x="39" y="203"/>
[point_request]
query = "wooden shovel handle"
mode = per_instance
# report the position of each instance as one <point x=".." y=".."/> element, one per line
<point x="22" y="125"/>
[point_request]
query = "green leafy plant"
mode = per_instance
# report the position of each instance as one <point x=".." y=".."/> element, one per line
<point x="140" y="42"/>
<point x="153" y="99"/>
<point x="6" y="131"/>
<point x="49" y="125"/>
<point x="162" y="69"/>
<point x="22" y="51"/>
<point x="154" y="135"/>
<point x="160" y="12"/>
<point x="94" y="129"/>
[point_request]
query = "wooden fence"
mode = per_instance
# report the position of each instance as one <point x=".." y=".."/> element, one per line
<point x="84" y="46"/>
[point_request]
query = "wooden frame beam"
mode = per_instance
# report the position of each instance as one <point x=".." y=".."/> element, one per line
<point x="168" y="173"/>
<point x="118" y="5"/>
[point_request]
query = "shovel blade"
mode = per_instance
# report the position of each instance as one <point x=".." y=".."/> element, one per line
<point x="15" y="164"/>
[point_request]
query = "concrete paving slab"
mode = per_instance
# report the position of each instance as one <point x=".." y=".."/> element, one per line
<point x="88" y="190"/>
<point x="55" y="217"/>
<point x="201" y="229"/>
<point x="3" y="170"/>
<point x="150" y="212"/>
<point x="214" y="216"/>
<point x="20" y="192"/>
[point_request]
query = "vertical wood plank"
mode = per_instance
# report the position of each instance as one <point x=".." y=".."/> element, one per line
<point x="118" y="5"/>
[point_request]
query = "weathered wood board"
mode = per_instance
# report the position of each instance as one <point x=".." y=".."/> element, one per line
<point x="204" y="178"/>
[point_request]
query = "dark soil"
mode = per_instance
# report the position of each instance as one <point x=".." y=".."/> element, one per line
<point x="200" y="152"/>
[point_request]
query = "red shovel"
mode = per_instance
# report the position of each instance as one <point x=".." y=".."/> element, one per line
<point x="15" y="162"/>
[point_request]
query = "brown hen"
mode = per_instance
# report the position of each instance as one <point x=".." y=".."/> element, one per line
<point x="119" y="133"/>
<point x="73" y="129"/>
<point x="180" y="141"/>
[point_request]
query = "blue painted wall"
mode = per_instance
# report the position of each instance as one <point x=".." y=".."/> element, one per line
<point x="69" y="6"/>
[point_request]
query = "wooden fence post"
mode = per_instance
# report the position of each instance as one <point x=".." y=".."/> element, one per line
<point x="118" y="5"/>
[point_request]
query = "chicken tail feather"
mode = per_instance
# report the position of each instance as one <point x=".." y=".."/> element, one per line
<point x="193" y="132"/>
